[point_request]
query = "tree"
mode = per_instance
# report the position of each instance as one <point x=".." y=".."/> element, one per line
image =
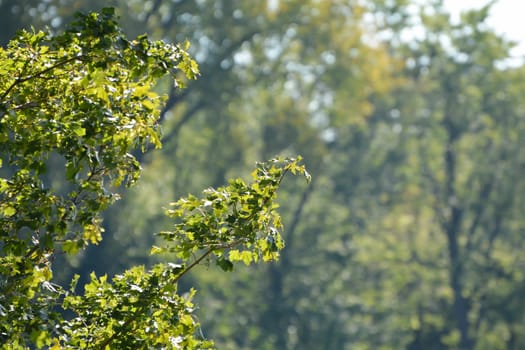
<point x="381" y="258"/>
<point x="305" y="74"/>
<point x="415" y="146"/>
<point x="76" y="105"/>
<point x="378" y="257"/>
<point x="439" y="249"/>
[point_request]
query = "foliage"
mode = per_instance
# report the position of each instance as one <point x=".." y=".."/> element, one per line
<point x="76" y="105"/>
<point x="234" y="216"/>
<point x="410" y="236"/>
<point x="368" y="264"/>
<point x="140" y="309"/>
<point x="457" y="180"/>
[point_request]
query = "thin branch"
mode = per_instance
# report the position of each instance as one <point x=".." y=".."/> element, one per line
<point x="140" y="310"/>
<point x="195" y="263"/>
<point x="173" y="99"/>
<point x="178" y="6"/>
<point x="297" y="215"/>
<point x="27" y="105"/>
<point x="185" y="118"/>
<point x="38" y="74"/>
<point x="435" y="188"/>
<point x="207" y="70"/>
<point x="211" y="248"/>
<point x="154" y="8"/>
<point x="479" y="212"/>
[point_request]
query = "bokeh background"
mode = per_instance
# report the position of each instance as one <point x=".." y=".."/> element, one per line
<point x="412" y="123"/>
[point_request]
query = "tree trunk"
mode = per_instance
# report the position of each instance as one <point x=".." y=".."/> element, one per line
<point x="452" y="228"/>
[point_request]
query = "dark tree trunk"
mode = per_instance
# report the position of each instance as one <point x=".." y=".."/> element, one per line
<point x="452" y="228"/>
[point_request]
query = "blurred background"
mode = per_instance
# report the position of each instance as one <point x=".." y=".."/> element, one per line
<point x="412" y="124"/>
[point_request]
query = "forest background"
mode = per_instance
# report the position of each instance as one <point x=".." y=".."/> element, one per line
<point x="410" y="235"/>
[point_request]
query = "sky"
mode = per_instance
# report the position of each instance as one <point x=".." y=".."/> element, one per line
<point x="507" y="17"/>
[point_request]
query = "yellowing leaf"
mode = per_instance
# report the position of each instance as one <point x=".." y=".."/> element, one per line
<point x="80" y="131"/>
<point x="156" y="250"/>
<point x="186" y="320"/>
<point x="93" y="233"/>
<point x="9" y="211"/>
<point x="247" y="257"/>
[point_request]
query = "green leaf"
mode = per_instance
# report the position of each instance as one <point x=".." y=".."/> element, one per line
<point x="79" y="131"/>
<point x="71" y="170"/>
<point x="156" y="250"/>
<point x="224" y="264"/>
<point x="8" y="211"/>
<point x="73" y="283"/>
<point x="108" y="11"/>
<point x="71" y="246"/>
<point x="41" y="338"/>
<point x="93" y="232"/>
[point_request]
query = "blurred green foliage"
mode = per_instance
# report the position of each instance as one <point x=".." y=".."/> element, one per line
<point x="410" y="235"/>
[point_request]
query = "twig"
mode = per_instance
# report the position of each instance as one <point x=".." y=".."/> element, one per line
<point x="38" y="74"/>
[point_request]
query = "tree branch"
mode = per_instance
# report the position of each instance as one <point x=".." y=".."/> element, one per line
<point x="479" y="212"/>
<point x="141" y="309"/>
<point x="38" y="74"/>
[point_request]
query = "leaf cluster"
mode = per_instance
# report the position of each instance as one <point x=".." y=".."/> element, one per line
<point x="73" y="108"/>
<point x="141" y="309"/>
<point x="238" y="222"/>
<point x="138" y="309"/>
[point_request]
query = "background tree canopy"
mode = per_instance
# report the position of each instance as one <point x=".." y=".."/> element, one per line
<point x="410" y="235"/>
